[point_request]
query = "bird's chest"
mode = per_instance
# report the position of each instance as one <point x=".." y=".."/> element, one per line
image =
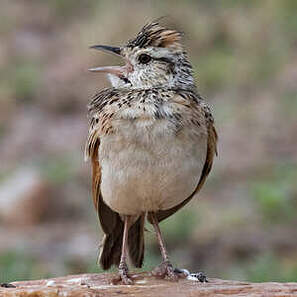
<point x="148" y="165"/>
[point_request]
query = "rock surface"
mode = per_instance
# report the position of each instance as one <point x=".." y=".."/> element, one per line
<point x="97" y="285"/>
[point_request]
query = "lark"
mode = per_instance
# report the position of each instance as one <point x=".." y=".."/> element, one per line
<point x="151" y="144"/>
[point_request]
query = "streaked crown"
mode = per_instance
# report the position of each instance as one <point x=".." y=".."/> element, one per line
<point x="154" y="35"/>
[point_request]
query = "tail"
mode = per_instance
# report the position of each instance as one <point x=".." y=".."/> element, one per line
<point x="110" y="253"/>
<point x="136" y="242"/>
<point x="111" y="247"/>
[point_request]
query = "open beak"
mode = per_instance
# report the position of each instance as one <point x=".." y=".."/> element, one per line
<point x="120" y="71"/>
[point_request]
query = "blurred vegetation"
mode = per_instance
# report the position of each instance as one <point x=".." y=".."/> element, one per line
<point x="244" y="55"/>
<point x="276" y="195"/>
<point x="16" y="266"/>
<point x="265" y="267"/>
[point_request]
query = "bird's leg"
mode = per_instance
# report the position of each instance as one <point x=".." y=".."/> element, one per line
<point x="123" y="267"/>
<point x="165" y="269"/>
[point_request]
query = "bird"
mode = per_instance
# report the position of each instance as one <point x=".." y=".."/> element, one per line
<point x="151" y="144"/>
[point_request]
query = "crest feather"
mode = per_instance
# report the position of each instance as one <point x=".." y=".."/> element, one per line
<point x="153" y="34"/>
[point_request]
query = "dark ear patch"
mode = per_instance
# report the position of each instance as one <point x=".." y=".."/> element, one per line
<point x="170" y="63"/>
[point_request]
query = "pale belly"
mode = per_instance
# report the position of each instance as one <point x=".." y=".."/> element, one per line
<point x="146" y="167"/>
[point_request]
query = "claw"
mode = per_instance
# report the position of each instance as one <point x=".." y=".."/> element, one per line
<point x="123" y="276"/>
<point x="123" y="279"/>
<point x="165" y="270"/>
<point x="126" y="280"/>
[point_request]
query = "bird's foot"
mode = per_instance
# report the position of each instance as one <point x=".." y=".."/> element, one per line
<point x="165" y="270"/>
<point x="198" y="276"/>
<point x="123" y="277"/>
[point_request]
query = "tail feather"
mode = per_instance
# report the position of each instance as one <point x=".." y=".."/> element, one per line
<point x="110" y="253"/>
<point x="136" y="242"/>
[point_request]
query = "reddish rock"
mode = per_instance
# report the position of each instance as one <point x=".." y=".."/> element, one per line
<point x="95" y="285"/>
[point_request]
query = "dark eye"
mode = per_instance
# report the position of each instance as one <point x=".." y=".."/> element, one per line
<point x="144" y="58"/>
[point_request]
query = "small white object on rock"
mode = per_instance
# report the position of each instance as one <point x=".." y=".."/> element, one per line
<point x="192" y="278"/>
<point x="50" y="283"/>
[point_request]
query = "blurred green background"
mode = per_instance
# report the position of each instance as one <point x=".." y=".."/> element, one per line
<point x="242" y="225"/>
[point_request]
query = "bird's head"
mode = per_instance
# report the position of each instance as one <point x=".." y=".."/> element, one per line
<point x="155" y="58"/>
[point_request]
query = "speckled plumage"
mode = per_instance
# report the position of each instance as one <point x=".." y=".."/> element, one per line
<point x="151" y="141"/>
<point x="180" y="107"/>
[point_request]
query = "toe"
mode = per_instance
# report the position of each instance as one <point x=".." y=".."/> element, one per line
<point x="171" y="275"/>
<point x="122" y="279"/>
<point x="127" y="281"/>
<point x="165" y="270"/>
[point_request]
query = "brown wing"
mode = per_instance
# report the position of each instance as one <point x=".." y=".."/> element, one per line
<point x="108" y="218"/>
<point x="211" y="151"/>
<point x="100" y="126"/>
<point x="110" y="221"/>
